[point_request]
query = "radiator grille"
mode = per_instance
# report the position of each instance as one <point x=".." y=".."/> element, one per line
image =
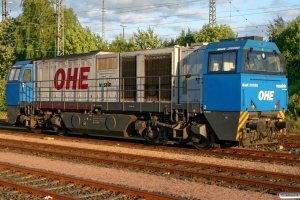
<point x="158" y="66"/>
<point x="129" y="78"/>
<point x="107" y="63"/>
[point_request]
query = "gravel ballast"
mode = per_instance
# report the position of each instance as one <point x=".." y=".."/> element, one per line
<point x="152" y="183"/>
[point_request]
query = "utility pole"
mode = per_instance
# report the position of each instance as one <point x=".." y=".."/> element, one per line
<point x="123" y="29"/>
<point x="5" y="9"/>
<point x="103" y="19"/>
<point x="59" y="37"/>
<point x="212" y="12"/>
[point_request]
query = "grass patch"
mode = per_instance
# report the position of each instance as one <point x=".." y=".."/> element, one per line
<point x="3" y="115"/>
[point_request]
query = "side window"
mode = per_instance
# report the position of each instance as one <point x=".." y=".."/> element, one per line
<point x="14" y="74"/>
<point x="222" y="62"/>
<point x="216" y="63"/>
<point x="229" y="61"/>
<point x="27" y="75"/>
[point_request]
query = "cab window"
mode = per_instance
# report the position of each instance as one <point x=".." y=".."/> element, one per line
<point x="263" y="62"/>
<point x="27" y="75"/>
<point x="14" y="74"/>
<point x="222" y="62"/>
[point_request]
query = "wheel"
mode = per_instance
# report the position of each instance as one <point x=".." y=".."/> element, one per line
<point x="200" y="142"/>
<point x="62" y="132"/>
<point x="201" y="146"/>
<point x="158" y="138"/>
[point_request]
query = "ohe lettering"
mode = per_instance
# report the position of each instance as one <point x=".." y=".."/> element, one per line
<point x="61" y="77"/>
<point x="266" y="95"/>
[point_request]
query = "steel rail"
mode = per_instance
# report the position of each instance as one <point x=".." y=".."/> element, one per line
<point x="248" y="154"/>
<point x="155" y="159"/>
<point x="182" y="172"/>
<point x="110" y="187"/>
<point x="34" y="191"/>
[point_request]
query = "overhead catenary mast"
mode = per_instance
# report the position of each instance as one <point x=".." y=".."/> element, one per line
<point x="59" y="36"/>
<point x="4" y="10"/>
<point x="103" y="19"/>
<point x="212" y="12"/>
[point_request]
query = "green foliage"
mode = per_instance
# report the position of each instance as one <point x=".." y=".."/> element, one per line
<point x="140" y="40"/>
<point x="206" y="34"/>
<point x="79" y="39"/>
<point x="294" y="102"/>
<point x="186" y="37"/>
<point x="34" y="32"/>
<point x="147" y="40"/>
<point x="287" y="38"/>
<point x="293" y="112"/>
<point x="100" y="43"/>
<point x="275" y="29"/>
<point x="3" y="107"/>
<point x="214" y="34"/>
<point x="7" y="56"/>
<point x="294" y="89"/>
<point x="294" y="106"/>
<point x="119" y="44"/>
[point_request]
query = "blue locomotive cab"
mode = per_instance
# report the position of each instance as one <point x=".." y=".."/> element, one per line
<point x="19" y="83"/>
<point x="264" y="83"/>
<point x="245" y="88"/>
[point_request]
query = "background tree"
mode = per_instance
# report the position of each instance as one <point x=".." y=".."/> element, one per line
<point x="206" y="34"/>
<point x="79" y="39"/>
<point x="147" y="40"/>
<point x="35" y="30"/>
<point x="119" y="44"/>
<point x="186" y="37"/>
<point x="275" y="29"/>
<point x="140" y="40"/>
<point x="7" y="58"/>
<point x="214" y="34"/>
<point x="287" y="38"/>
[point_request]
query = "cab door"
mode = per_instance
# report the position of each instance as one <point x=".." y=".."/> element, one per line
<point x="13" y="92"/>
<point x="26" y="84"/>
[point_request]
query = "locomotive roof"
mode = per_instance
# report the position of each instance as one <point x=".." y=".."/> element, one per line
<point x="92" y="53"/>
<point x="22" y="63"/>
<point x="245" y="44"/>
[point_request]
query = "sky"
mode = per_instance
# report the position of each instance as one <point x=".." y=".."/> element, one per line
<point x="169" y="17"/>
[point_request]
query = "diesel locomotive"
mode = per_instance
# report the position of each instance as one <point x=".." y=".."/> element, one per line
<point x="235" y="91"/>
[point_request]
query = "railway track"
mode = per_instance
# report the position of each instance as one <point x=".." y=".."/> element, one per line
<point x="289" y="142"/>
<point x="25" y="183"/>
<point x="234" y="153"/>
<point x="246" y="179"/>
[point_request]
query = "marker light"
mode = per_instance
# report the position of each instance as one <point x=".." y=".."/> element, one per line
<point x="277" y="105"/>
<point x="252" y="105"/>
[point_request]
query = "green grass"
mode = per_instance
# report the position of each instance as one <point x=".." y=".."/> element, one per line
<point x="3" y="115"/>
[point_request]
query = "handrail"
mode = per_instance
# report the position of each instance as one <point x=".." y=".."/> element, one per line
<point x="101" y="94"/>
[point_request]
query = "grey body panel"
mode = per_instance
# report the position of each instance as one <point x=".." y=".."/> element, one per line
<point x="12" y="114"/>
<point x="224" y="124"/>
